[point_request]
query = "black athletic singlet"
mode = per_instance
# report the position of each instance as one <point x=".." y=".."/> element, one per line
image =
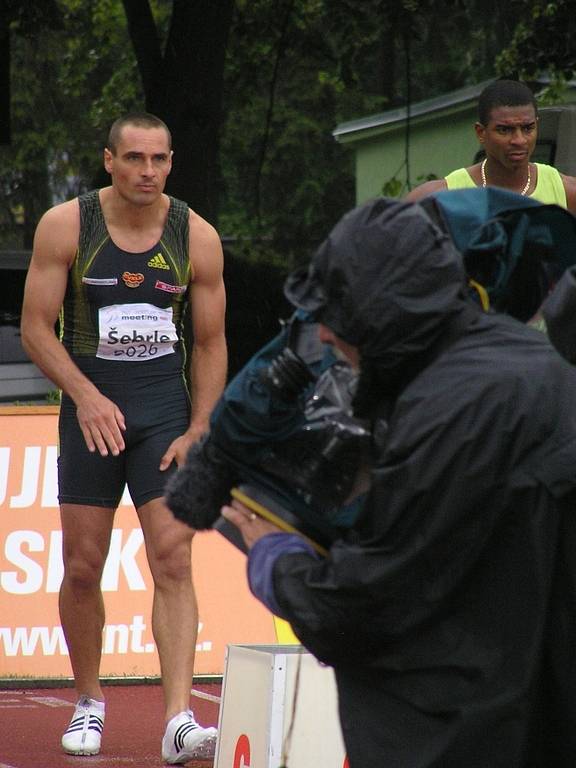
<point x="121" y="323"/>
<point x="124" y="308"/>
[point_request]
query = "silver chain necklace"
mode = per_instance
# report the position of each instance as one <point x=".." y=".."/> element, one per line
<point x="483" y="174"/>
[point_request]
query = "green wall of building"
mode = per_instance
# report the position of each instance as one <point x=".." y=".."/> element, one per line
<point x="437" y="146"/>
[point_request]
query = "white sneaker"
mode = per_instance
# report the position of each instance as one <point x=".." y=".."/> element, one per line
<point x="185" y="740"/>
<point x="84" y="734"/>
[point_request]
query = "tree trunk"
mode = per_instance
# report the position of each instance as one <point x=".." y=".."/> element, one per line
<point x="5" y="133"/>
<point x="184" y="87"/>
<point x="36" y="196"/>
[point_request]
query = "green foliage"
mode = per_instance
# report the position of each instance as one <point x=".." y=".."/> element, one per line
<point x="282" y="172"/>
<point x="393" y="187"/>
<point x="297" y="68"/>
<point x="554" y="93"/>
<point x="544" y="40"/>
<point x="53" y="397"/>
<point x="29" y="16"/>
<point x="294" y="70"/>
<point x="70" y="79"/>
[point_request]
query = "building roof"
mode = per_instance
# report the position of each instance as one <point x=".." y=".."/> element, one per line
<point x="356" y="129"/>
<point x="449" y="103"/>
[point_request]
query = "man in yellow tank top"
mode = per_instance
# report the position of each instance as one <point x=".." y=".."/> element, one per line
<point x="507" y="129"/>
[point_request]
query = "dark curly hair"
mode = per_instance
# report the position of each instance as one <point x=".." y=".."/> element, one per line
<point x="504" y="93"/>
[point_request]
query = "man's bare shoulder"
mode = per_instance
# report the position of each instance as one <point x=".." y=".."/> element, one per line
<point x="570" y="189"/>
<point x="206" y="255"/>
<point x="428" y="188"/>
<point x="58" y="231"/>
<point x="201" y="231"/>
<point x="63" y="213"/>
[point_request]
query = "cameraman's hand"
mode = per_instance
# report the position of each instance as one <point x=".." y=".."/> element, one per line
<point x="251" y="526"/>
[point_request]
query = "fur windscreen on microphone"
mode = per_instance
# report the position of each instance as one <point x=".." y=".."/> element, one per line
<point x="201" y="486"/>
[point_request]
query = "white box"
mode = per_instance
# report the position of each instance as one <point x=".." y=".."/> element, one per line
<point x="257" y="710"/>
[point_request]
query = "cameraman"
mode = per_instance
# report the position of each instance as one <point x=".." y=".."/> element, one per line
<point x="449" y="612"/>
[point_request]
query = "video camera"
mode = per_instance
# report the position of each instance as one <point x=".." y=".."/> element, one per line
<point x="283" y="440"/>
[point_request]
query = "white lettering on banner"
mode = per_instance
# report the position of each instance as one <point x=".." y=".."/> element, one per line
<point x="137" y="629"/>
<point x="126" y="499"/>
<point x="205" y="645"/>
<point x="30" y="475"/>
<point x="4" y="464"/>
<point x="12" y="581"/>
<point x="115" y="632"/>
<point x="50" y="641"/>
<point x="30" y="479"/>
<point x="134" y="633"/>
<point x="50" y="482"/>
<point x="124" y="557"/>
<point x="29" y="577"/>
<point x="23" y="641"/>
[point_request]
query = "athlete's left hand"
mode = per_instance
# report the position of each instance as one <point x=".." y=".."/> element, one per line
<point x="178" y="449"/>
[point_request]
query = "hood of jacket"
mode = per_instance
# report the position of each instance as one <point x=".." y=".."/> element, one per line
<point x="389" y="281"/>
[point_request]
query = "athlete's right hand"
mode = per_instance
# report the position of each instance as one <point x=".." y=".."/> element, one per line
<point x="102" y="424"/>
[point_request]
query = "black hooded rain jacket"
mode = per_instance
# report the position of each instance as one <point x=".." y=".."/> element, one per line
<point x="449" y="614"/>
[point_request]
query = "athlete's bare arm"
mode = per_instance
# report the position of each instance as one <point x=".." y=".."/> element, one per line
<point x="55" y="245"/>
<point x="570" y="188"/>
<point x="425" y="189"/>
<point x="209" y="357"/>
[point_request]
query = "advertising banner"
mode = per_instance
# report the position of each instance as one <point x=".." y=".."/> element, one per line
<point x="32" y="643"/>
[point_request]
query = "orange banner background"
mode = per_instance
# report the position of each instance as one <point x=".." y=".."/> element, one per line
<point x="31" y="640"/>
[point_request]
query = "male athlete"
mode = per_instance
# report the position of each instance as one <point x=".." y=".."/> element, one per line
<point x="120" y="263"/>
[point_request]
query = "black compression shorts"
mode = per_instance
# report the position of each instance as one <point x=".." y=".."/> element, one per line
<point x="156" y="412"/>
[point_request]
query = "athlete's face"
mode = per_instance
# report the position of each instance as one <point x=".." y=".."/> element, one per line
<point x="140" y="165"/>
<point x="510" y="135"/>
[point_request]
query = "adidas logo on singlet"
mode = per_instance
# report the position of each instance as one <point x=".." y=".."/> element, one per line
<point x="158" y="262"/>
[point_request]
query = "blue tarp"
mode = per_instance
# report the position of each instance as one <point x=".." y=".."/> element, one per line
<point x="514" y="246"/>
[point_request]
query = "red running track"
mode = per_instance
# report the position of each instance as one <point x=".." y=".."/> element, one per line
<point x="32" y="721"/>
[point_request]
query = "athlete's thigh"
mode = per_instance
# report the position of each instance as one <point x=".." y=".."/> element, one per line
<point x="160" y="420"/>
<point x="85" y="478"/>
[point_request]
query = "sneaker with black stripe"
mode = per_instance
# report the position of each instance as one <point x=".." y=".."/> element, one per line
<point x="84" y="734"/>
<point x="185" y="740"/>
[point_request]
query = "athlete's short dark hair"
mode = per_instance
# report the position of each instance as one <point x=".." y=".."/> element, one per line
<point x="138" y="119"/>
<point x="504" y="93"/>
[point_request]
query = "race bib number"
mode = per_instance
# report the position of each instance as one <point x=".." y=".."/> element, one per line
<point x="135" y="332"/>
